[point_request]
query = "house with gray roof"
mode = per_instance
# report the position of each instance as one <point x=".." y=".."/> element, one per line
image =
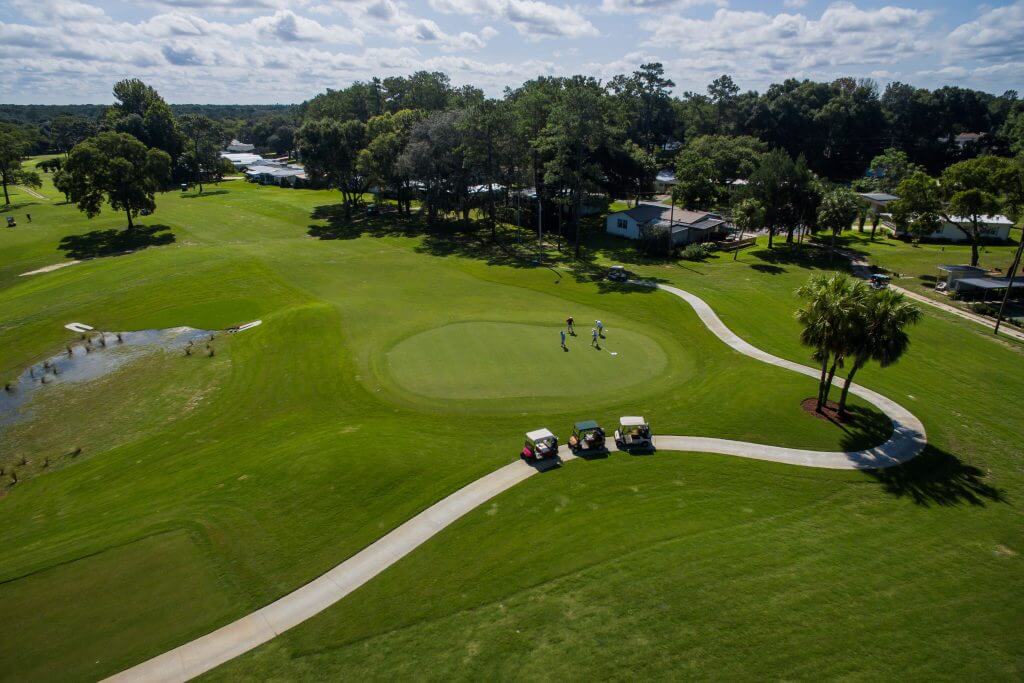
<point x="647" y="218"/>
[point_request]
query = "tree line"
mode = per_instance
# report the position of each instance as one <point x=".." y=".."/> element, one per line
<point x="781" y="160"/>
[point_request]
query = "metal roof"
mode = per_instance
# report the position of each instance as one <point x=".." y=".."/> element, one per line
<point x="539" y="434"/>
<point x="989" y="282"/>
<point x="632" y="421"/>
<point x="998" y="219"/>
<point x="587" y="424"/>
<point x="879" y="196"/>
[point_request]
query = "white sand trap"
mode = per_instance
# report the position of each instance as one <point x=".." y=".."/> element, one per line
<point x="78" y="327"/>
<point x="50" y="268"/>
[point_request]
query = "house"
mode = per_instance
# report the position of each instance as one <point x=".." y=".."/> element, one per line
<point x="241" y="159"/>
<point x="964" y="139"/>
<point x="283" y="176"/>
<point x="995" y="228"/>
<point x="237" y="146"/>
<point x="877" y="201"/>
<point x="684" y="226"/>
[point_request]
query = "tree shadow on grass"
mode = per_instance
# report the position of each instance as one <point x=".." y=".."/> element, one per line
<point x="863" y="428"/>
<point x="111" y="242"/>
<point x="508" y="246"/>
<point x="768" y="268"/>
<point x="205" y="193"/>
<point x="936" y="477"/>
<point x="807" y="255"/>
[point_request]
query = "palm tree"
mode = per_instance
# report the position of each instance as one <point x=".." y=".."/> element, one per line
<point x="880" y="335"/>
<point x="829" y="321"/>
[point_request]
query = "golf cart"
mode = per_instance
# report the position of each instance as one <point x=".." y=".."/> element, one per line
<point x="878" y="281"/>
<point x="586" y="436"/>
<point x="633" y="433"/>
<point x="540" y="444"/>
<point x="617" y="274"/>
<point x="11" y="222"/>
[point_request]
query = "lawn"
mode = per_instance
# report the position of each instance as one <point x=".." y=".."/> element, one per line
<point x="395" y="365"/>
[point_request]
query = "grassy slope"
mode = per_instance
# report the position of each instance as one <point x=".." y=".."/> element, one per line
<point x="714" y="567"/>
<point x="305" y="451"/>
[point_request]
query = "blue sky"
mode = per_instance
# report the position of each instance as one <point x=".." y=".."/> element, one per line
<point x="264" y="51"/>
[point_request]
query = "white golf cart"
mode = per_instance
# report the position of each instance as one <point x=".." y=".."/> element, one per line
<point x="540" y="444"/>
<point x="633" y="434"/>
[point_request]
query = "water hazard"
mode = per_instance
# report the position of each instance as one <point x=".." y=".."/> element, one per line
<point x="98" y="354"/>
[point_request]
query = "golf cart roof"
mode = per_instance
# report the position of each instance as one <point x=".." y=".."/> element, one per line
<point x="880" y="276"/>
<point x="632" y="421"/>
<point x="539" y="435"/>
<point x="586" y="424"/>
<point x="617" y="268"/>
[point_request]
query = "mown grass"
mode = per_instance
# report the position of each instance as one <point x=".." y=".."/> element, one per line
<point x="305" y="449"/>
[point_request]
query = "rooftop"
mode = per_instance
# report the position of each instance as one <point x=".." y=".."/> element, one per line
<point x="878" y="196"/>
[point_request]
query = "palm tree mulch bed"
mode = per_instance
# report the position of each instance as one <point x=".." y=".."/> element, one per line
<point x="829" y="411"/>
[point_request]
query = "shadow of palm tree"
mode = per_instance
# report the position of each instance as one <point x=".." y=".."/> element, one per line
<point x="111" y="242"/>
<point x="807" y="255"/>
<point x="936" y="477"/>
<point x="768" y="268"/>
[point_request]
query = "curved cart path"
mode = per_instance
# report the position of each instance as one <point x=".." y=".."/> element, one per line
<point x="203" y="654"/>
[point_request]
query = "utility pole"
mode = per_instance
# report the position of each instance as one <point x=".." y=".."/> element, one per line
<point x="1009" y="285"/>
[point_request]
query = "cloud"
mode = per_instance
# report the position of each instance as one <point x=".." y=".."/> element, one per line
<point x="794" y="4"/>
<point x="46" y="11"/>
<point x="533" y="19"/>
<point x="790" y="44"/>
<point x="636" y="6"/>
<point x="997" y="34"/>
<point x="287" y="26"/>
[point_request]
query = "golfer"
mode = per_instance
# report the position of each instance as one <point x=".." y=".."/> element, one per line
<point x="563" y="338"/>
<point x="600" y="328"/>
<point x="569" y="323"/>
<point x="593" y="337"/>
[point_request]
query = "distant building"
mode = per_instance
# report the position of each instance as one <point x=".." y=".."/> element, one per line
<point x="878" y="201"/>
<point x="684" y="226"/>
<point x="237" y="146"/>
<point x="241" y="160"/>
<point x="273" y="174"/>
<point x="964" y="139"/>
<point x="996" y="228"/>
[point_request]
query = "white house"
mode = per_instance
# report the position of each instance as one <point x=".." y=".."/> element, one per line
<point x="685" y="226"/>
<point x="284" y="176"/>
<point x="237" y="146"/>
<point x="241" y="159"/>
<point x="878" y="201"/>
<point x="992" y="228"/>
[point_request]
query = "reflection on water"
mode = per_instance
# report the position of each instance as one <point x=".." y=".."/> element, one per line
<point x="87" y="359"/>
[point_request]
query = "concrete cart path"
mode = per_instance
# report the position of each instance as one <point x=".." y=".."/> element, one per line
<point x="207" y="652"/>
<point x="862" y="269"/>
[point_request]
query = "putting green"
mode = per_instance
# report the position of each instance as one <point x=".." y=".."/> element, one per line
<point x="490" y="360"/>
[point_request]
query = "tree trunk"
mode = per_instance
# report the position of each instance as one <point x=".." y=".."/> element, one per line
<point x="771" y="235"/>
<point x="7" y="197"/>
<point x="846" y="387"/>
<point x="974" y="251"/>
<point x="821" y="382"/>
<point x="828" y="383"/>
<point x="128" y="212"/>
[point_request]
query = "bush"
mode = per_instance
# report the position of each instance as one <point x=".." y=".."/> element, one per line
<point x="696" y="252"/>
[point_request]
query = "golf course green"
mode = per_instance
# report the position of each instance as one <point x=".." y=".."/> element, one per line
<point x="394" y="365"/>
<point x="472" y="360"/>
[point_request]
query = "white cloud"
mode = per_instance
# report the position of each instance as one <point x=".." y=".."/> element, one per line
<point x="794" y="4"/>
<point x="792" y="44"/>
<point x="995" y="35"/>
<point x="57" y="10"/>
<point x="534" y="20"/>
<point x="287" y="26"/>
<point x="635" y="6"/>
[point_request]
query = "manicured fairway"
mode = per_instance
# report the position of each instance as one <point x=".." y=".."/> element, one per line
<point x="208" y="487"/>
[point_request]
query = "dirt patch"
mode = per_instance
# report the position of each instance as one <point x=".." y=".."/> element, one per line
<point x="830" y="412"/>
